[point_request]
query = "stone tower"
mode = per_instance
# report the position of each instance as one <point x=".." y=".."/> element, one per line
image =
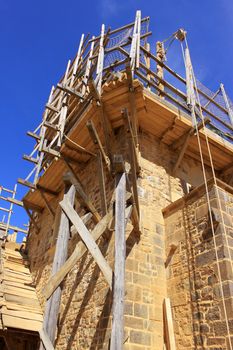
<point x="130" y="246"/>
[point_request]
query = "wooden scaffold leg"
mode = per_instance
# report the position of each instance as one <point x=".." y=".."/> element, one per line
<point x="117" y="335"/>
<point x="53" y="303"/>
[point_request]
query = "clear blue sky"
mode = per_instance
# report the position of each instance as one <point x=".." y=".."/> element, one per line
<point x="38" y="38"/>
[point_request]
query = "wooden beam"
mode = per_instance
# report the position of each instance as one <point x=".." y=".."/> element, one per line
<point x="177" y="143"/>
<point x="32" y="206"/>
<point x="130" y="137"/>
<point x="88" y="240"/>
<point x="53" y="303"/>
<point x="117" y="334"/>
<point x="172" y="250"/>
<point x="51" y="152"/>
<point x="85" y="218"/>
<point x="132" y="102"/>
<point x="51" y="126"/>
<point x="186" y="138"/>
<point x="70" y="91"/>
<point x="132" y="162"/>
<point x="102" y="184"/>
<point x="96" y="140"/>
<point x="12" y="200"/>
<point x="48" y="206"/>
<point x="73" y="178"/>
<point x="78" y="252"/>
<point x="13" y="228"/>
<point x="32" y="218"/>
<point x="47" y="190"/>
<point x="45" y="340"/>
<point x="168" y="325"/>
<point x="77" y="147"/>
<point x="52" y="108"/>
<point x="33" y="135"/>
<point x="106" y="125"/>
<point x="30" y="159"/>
<point x="26" y="183"/>
<point x="181" y="154"/>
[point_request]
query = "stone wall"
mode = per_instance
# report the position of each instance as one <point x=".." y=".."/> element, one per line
<point x="199" y="277"/>
<point x="85" y="314"/>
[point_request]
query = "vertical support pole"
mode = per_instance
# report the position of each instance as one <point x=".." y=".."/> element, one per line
<point x="76" y="62"/>
<point x="102" y="183"/>
<point x="228" y="107"/>
<point x="135" y="45"/>
<point x="100" y="62"/>
<point x="191" y="98"/>
<point x="10" y="211"/>
<point x="88" y="68"/>
<point x="42" y="139"/>
<point x="160" y="54"/>
<point x="117" y="335"/>
<point x="147" y="60"/>
<point x="64" y="109"/>
<point x="53" y="303"/>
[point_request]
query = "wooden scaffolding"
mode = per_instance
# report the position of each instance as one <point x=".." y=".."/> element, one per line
<point x="78" y="124"/>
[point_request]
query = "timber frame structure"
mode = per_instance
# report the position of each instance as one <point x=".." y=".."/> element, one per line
<point x="116" y="84"/>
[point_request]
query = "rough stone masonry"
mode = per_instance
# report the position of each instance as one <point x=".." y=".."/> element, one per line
<point x="189" y="279"/>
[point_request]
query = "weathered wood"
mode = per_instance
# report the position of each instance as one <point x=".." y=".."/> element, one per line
<point x="177" y="143"/>
<point x="106" y="125"/>
<point x="102" y="184"/>
<point x="117" y="334"/>
<point x="12" y="200"/>
<point x="45" y="340"/>
<point x="14" y="228"/>
<point x="96" y="140"/>
<point x="70" y="91"/>
<point x="187" y="137"/>
<point x="73" y="178"/>
<point x="168" y="325"/>
<point x="130" y="136"/>
<point x="88" y="240"/>
<point x="85" y="218"/>
<point x="181" y="154"/>
<point x="78" y="252"/>
<point x="47" y="190"/>
<point x="30" y="159"/>
<point x="53" y="303"/>
<point x="160" y="54"/>
<point x="172" y="250"/>
<point x="32" y="218"/>
<point x="26" y="183"/>
<point x="132" y="161"/>
<point x="33" y="135"/>
<point x="48" y="206"/>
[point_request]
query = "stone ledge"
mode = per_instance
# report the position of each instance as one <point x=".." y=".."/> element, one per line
<point x="194" y="195"/>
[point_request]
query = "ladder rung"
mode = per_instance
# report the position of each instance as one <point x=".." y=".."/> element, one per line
<point x="32" y="134"/>
<point x="30" y="159"/>
<point x="52" y="108"/>
<point x="51" y="126"/>
<point x="5" y="209"/>
<point x="51" y="151"/>
<point x="26" y="183"/>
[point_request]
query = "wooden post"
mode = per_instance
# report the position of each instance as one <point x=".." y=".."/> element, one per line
<point x="160" y="54"/>
<point x="102" y="184"/>
<point x="168" y="326"/>
<point x="53" y="304"/>
<point x="88" y="240"/>
<point x="147" y="59"/>
<point x="228" y="107"/>
<point x="117" y="335"/>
